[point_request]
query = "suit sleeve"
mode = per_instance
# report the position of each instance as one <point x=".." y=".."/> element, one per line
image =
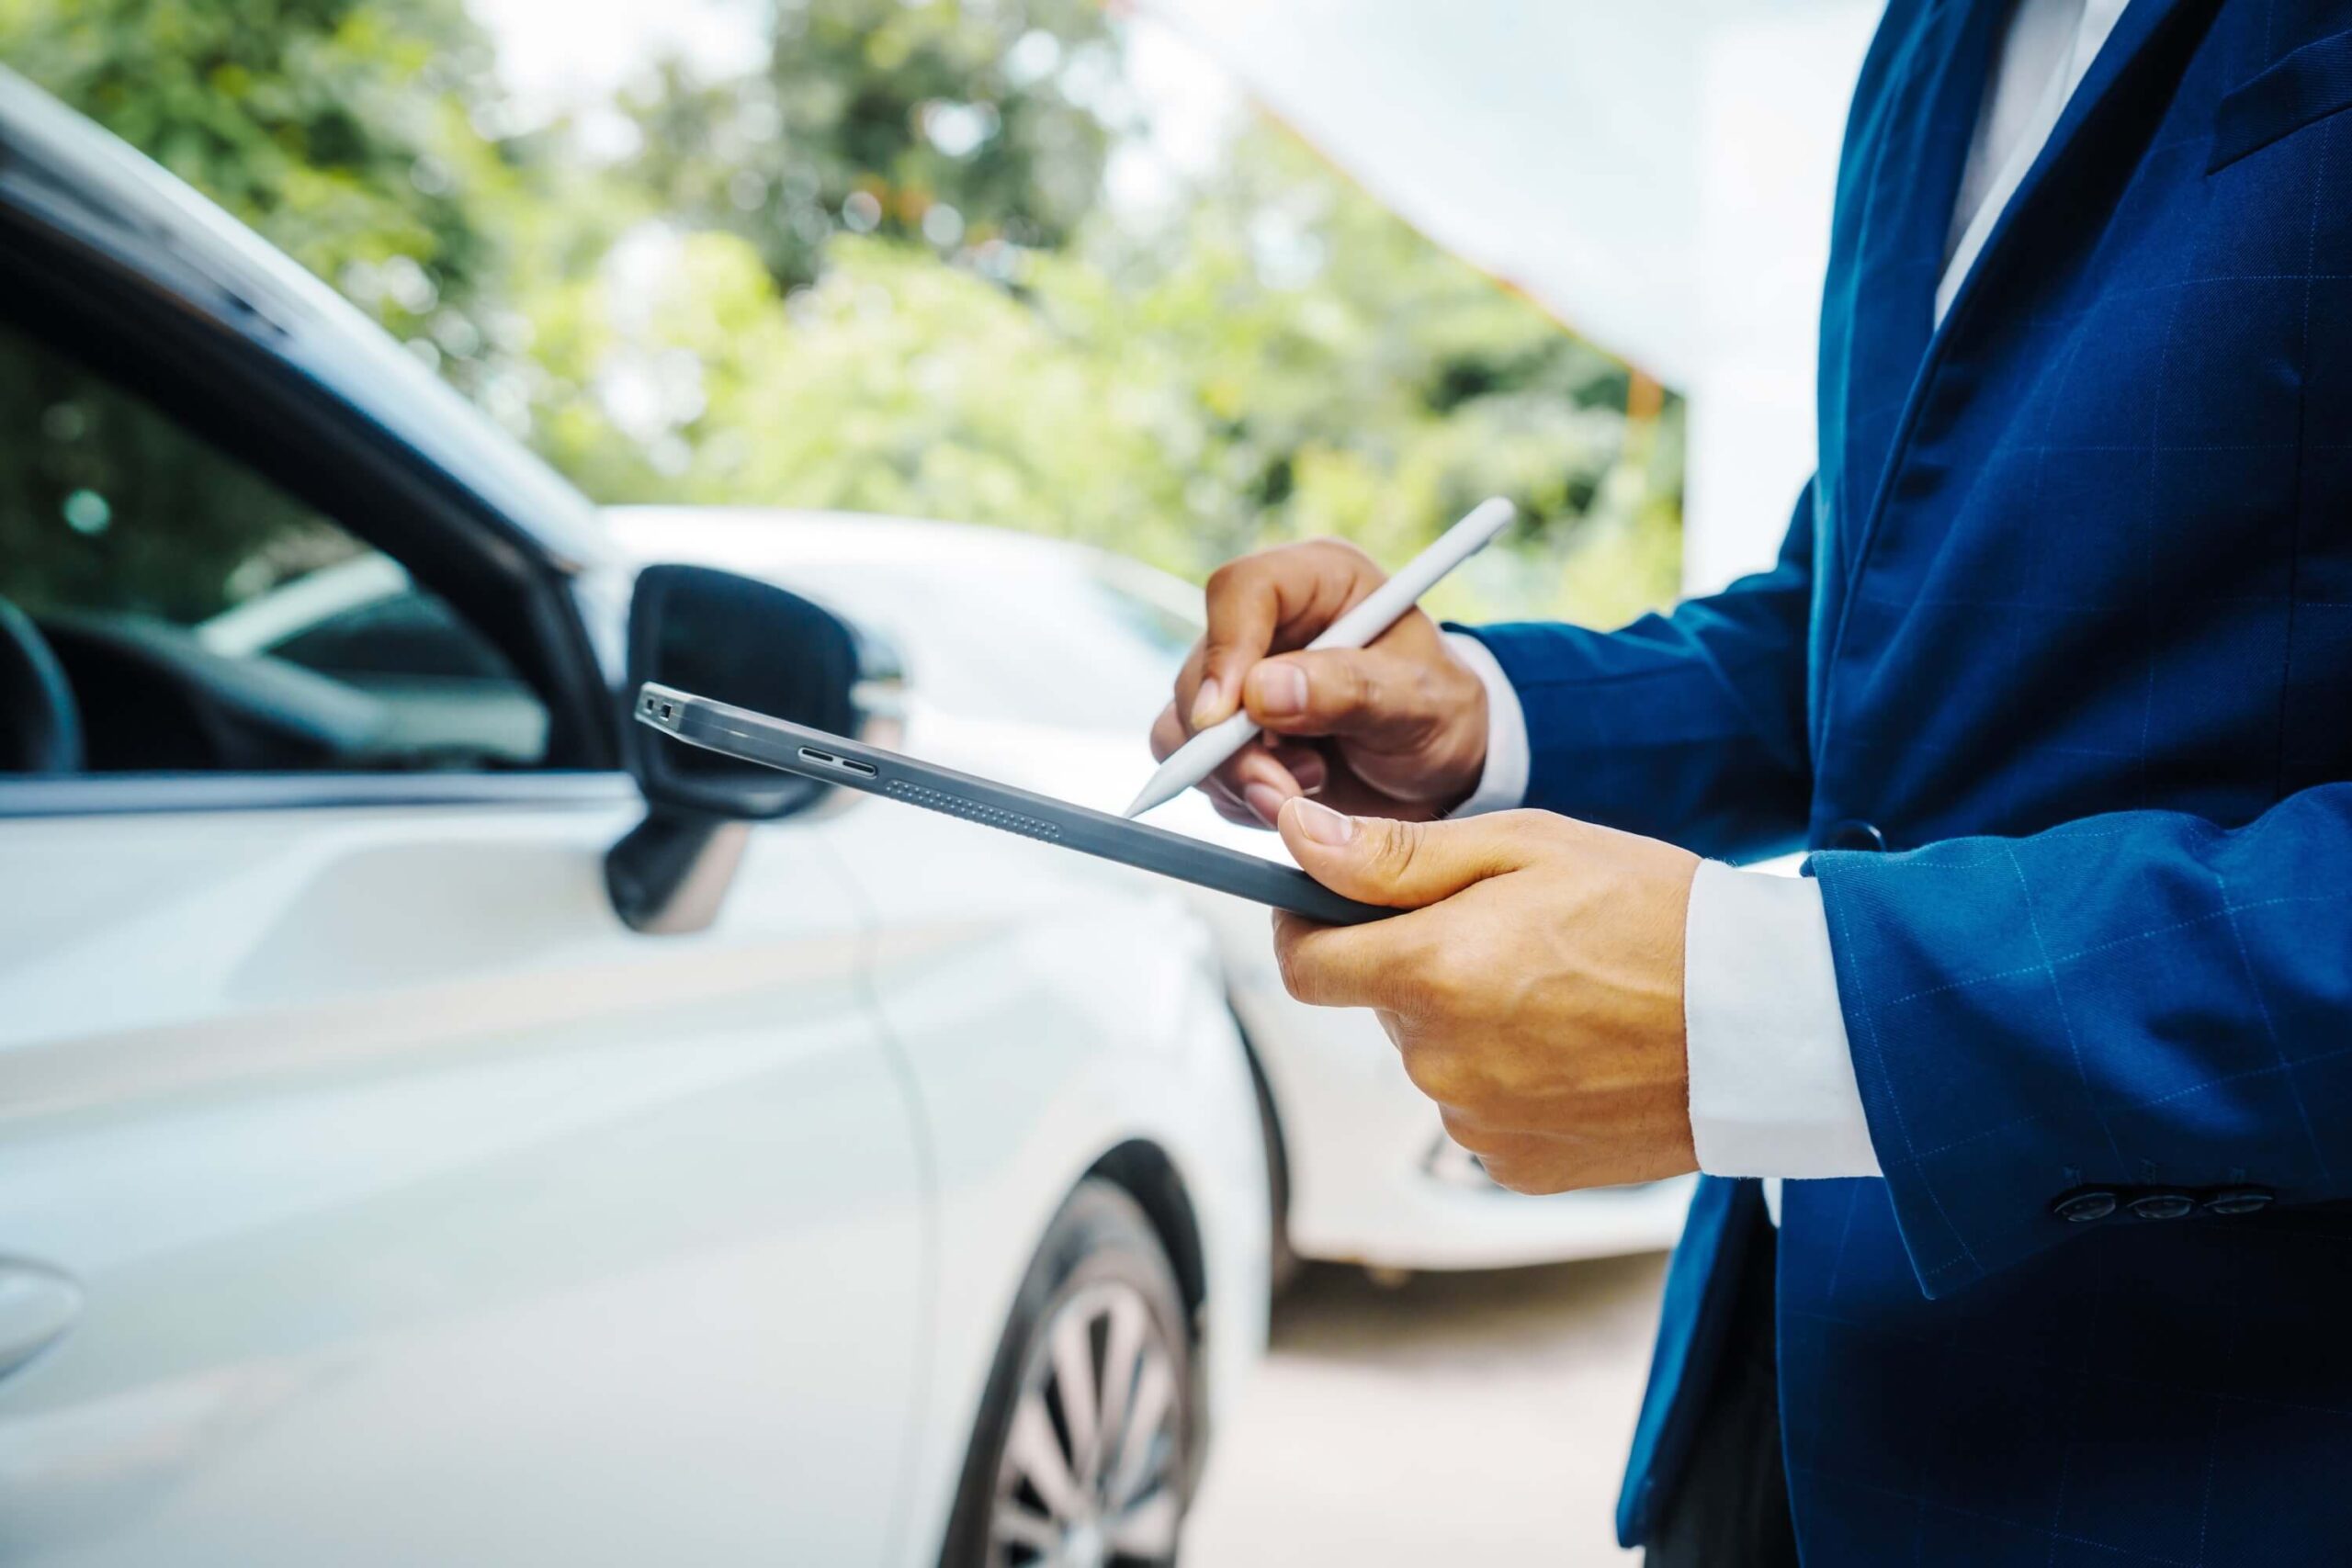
<point x="2135" y="1018"/>
<point x="1689" y="726"/>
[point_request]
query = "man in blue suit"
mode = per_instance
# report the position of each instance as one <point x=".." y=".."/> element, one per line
<point x="2054" y="675"/>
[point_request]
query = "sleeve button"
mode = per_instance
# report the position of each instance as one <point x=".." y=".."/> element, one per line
<point x="2162" y="1206"/>
<point x="1854" y="833"/>
<point x="2078" y="1208"/>
<point x="2238" y="1200"/>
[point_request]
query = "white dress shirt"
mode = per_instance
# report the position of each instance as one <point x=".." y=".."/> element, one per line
<point x="1772" y="1087"/>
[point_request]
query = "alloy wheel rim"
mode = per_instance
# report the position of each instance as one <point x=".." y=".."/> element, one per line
<point x="1089" y="1477"/>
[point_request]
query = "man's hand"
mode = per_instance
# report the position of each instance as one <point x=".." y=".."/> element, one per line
<point x="1536" y="990"/>
<point x="1395" y="729"/>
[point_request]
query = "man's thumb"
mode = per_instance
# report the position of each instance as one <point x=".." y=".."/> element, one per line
<point x="1401" y="864"/>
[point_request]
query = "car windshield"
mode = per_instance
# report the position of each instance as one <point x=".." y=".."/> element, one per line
<point x="1048" y="644"/>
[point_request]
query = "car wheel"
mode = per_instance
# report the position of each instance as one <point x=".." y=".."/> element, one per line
<point x="1080" y="1456"/>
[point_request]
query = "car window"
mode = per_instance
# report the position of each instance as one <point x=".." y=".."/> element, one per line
<point x="208" y="620"/>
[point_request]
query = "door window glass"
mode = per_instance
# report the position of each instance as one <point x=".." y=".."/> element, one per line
<point x="206" y="619"/>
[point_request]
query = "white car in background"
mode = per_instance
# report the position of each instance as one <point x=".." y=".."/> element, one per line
<point x="424" y="1141"/>
<point x="1042" y="663"/>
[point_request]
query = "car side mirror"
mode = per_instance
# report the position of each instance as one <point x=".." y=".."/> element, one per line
<point x="757" y="646"/>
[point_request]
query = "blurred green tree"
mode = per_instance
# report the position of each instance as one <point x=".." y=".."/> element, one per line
<point x="1274" y="357"/>
<point x="361" y="137"/>
<point x="878" y="273"/>
<point x="934" y="121"/>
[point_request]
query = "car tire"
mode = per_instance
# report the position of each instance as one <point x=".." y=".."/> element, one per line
<point x="1081" y="1452"/>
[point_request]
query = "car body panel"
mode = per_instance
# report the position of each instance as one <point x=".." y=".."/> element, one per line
<point x="392" y="1167"/>
<point x="416" y="1165"/>
<point x="973" y="929"/>
<point x="368" y="1194"/>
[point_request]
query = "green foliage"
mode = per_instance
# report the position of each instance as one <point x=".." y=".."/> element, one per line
<point x="1269" y="355"/>
<point x="928" y="120"/>
<point x="347" y="133"/>
<point x="1279" y="358"/>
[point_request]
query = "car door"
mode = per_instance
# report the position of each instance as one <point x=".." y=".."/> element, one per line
<point x="368" y="1194"/>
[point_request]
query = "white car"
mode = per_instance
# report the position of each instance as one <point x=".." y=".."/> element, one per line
<point x="1042" y="663"/>
<point x="423" y="1141"/>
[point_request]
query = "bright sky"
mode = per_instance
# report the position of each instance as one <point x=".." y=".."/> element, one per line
<point x="560" y="56"/>
<point x="572" y="54"/>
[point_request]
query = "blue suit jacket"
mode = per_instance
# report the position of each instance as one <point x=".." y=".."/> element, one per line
<point x="2066" y="616"/>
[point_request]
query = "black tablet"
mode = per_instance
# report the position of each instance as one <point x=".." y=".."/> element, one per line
<point x="837" y="760"/>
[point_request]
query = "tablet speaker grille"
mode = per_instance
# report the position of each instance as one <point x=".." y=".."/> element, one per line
<point x="971" y="811"/>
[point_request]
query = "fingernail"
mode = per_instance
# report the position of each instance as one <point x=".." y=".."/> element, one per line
<point x="1281" y="690"/>
<point x="1265" y="800"/>
<point x="1208" y="703"/>
<point x="1323" y="825"/>
<point x="1311" y="772"/>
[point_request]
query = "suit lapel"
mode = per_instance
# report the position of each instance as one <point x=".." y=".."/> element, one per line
<point x="1893" y="345"/>
<point x="1913" y="155"/>
<point x="2142" y="20"/>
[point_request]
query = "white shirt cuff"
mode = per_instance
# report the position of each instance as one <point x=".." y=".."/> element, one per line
<point x="1772" y="1087"/>
<point x="1503" y="785"/>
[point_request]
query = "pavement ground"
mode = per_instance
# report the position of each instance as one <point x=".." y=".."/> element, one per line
<point x="1460" y="1418"/>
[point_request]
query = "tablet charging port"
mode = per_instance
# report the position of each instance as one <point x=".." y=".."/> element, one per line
<point x="810" y="754"/>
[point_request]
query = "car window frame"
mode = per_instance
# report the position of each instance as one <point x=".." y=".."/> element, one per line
<point x="118" y="794"/>
<point x="125" y="304"/>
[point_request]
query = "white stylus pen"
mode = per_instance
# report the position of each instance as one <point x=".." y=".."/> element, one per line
<point x="1203" y="753"/>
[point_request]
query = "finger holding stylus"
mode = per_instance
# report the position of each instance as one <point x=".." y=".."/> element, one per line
<point x="1394" y="728"/>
